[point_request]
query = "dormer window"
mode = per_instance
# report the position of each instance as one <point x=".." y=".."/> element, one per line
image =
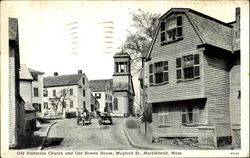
<point x="171" y="30"/>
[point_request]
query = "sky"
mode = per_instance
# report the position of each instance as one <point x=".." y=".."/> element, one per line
<point x="46" y="40"/>
<point x="49" y="44"/>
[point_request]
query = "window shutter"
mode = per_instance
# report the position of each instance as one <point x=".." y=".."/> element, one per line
<point x="184" y="115"/>
<point x="178" y="74"/>
<point x="151" y="75"/>
<point x="196" y="71"/>
<point x="150" y="68"/>
<point x="161" y="119"/>
<point x="165" y="76"/>
<point x="196" y="65"/>
<point x="163" y="26"/>
<point x="179" y="20"/>
<point x="196" y="59"/>
<point x="196" y="115"/>
<point x="165" y="65"/>
<point x="178" y="62"/>
<point x="166" y="118"/>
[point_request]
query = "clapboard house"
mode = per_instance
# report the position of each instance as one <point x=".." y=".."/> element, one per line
<point x="65" y="95"/>
<point x="102" y="90"/>
<point x="193" y="74"/>
<point x="16" y="110"/>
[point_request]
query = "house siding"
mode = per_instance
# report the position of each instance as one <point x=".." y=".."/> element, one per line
<point x="216" y="71"/>
<point x="175" y="128"/>
<point x="170" y="52"/>
<point x="234" y="93"/>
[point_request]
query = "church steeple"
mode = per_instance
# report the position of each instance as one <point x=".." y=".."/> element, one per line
<point x="122" y="64"/>
<point x="123" y="84"/>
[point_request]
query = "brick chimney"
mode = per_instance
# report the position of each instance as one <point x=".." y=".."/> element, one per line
<point x="79" y="71"/>
<point x="55" y="73"/>
<point x="237" y="18"/>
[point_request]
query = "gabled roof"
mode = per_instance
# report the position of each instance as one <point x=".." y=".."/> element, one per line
<point x="32" y="71"/>
<point x="99" y="85"/>
<point x="210" y="30"/>
<point x="63" y="80"/>
<point x="24" y="73"/>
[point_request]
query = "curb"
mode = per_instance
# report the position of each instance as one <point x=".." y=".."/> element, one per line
<point x="132" y="143"/>
<point x="47" y="132"/>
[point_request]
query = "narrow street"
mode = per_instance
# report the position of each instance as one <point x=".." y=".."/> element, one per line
<point x="66" y="134"/>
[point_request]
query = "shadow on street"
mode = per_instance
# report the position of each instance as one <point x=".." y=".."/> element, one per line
<point x="53" y="141"/>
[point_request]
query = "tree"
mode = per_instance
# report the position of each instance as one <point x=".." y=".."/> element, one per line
<point x="60" y="99"/>
<point x="137" y="44"/>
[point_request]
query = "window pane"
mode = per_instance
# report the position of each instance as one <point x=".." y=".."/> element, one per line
<point x="188" y="72"/>
<point x="171" y="24"/>
<point x="158" y="78"/>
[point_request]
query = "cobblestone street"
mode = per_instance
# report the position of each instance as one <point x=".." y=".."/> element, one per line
<point x="66" y="134"/>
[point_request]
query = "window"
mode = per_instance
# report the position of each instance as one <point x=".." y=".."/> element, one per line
<point x="190" y="114"/>
<point x="37" y="107"/>
<point x="171" y="29"/>
<point x="115" y="104"/>
<point x="54" y="93"/>
<point x="36" y="94"/>
<point x="158" y="72"/>
<point x="71" y="92"/>
<point x="83" y="92"/>
<point x="64" y="92"/>
<point x="163" y="115"/>
<point x="121" y="67"/>
<point x="97" y="95"/>
<point x="71" y="104"/>
<point x="45" y="93"/>
<point x="239" y="94"/>
<point x="188" y="67"/>
<point x="106" y="96"/>
<point x="84" y="105"/>
<point x="83" y="80"/>
<point x="64" y="104"/>
<point x="45" y="105"/>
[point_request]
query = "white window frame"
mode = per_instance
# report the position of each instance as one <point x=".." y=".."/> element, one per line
<point x="163" y="115"/>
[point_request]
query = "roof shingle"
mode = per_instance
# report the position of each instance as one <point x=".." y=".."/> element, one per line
<point x="99" y="85"/>
<point x="63" y="80"/>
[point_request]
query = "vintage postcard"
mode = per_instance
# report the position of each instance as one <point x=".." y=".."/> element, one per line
<point x="125" y="78"/>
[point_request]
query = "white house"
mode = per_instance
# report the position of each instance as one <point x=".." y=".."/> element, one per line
<point x="64" y="95"/>
<point x="103" y="92"/>
<point x="37" y="90"/>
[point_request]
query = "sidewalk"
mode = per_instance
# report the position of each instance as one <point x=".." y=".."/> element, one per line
<point x="136" y="139"/>
<point x="36" y="141"/>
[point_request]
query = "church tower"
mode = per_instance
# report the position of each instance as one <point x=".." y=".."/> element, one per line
<point x="123" y="85"/>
